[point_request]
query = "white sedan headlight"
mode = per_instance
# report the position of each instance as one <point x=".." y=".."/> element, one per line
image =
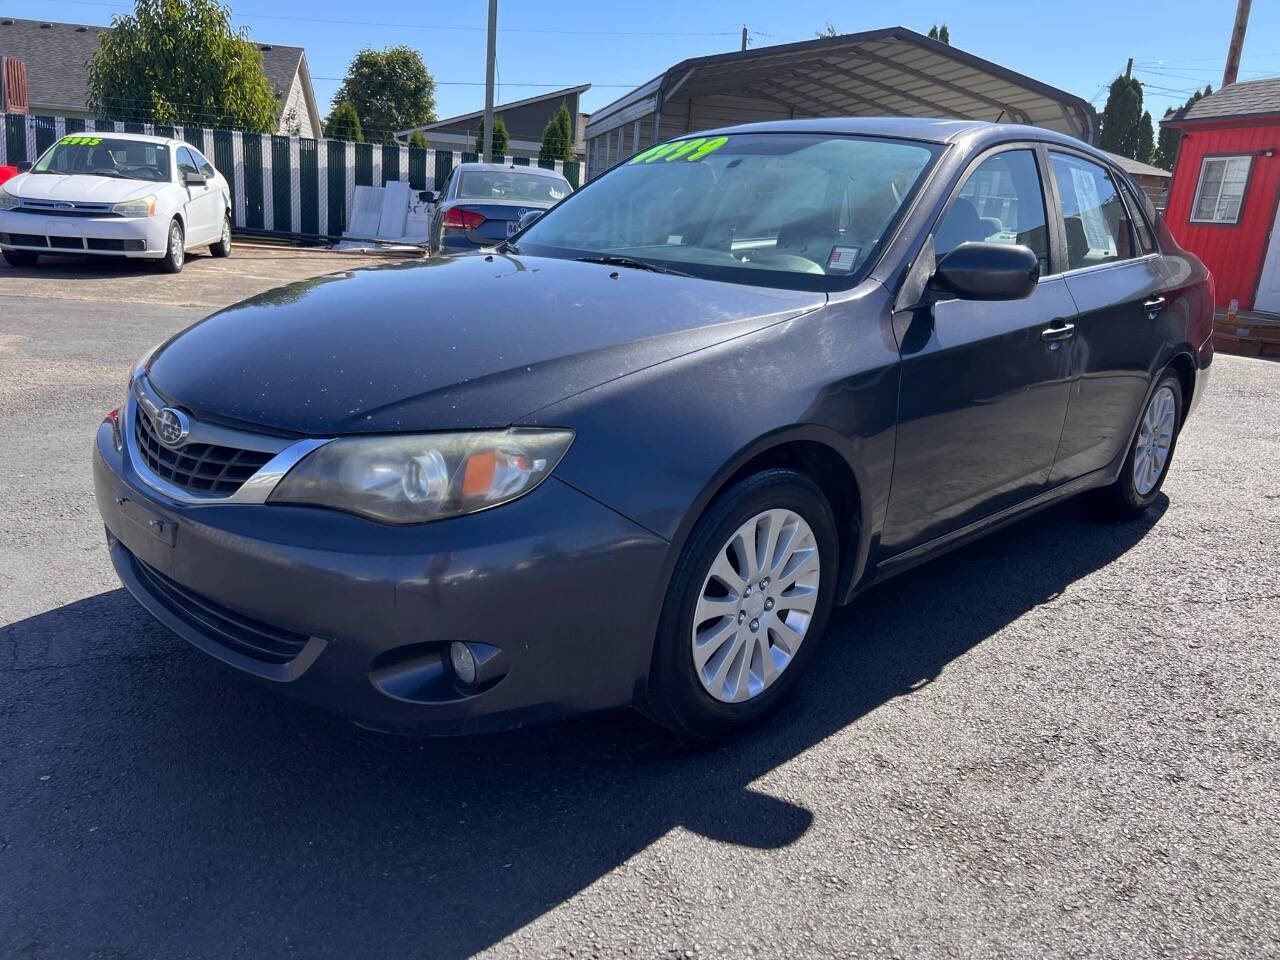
<point x="142" y="207"/>
<point x="8" y="201"/>
<point x="420" y="477"/>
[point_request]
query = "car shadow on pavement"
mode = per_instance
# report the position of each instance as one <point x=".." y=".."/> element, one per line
<point x="157" y="804"/>
<point x="74" y="267"/>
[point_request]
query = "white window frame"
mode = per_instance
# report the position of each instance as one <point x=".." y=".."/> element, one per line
<point x="1226" y="160"/>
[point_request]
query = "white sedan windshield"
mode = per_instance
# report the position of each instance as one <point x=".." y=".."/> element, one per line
<point x="766" y="208"/>
<point x="106" y="157"/>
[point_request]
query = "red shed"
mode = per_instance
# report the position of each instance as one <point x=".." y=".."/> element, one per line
<point x="1226" y="188"/>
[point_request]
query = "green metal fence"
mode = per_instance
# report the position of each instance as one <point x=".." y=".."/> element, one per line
<point x="286" y="185"/>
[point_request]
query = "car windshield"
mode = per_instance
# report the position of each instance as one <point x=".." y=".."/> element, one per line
<point x="511" y="185"/>
<point x="779" y="209"/>
<point x="106" y="157"/>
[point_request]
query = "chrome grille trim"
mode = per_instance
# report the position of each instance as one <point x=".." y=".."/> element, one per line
<point x="284" y="454"/>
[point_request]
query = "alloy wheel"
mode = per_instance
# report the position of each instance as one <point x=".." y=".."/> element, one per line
<point x="175" y="245"/>
<point x="756" y="604"/>
<point x="1155" y="440"/>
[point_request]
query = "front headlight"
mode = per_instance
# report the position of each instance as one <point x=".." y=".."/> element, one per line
<point x="422" y="477"/>
<point x="142" y="207"/>
<point x="7" y="200"/>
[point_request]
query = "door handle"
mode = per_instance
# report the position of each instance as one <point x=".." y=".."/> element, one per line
<point x="1153" y="305"/>
<point x="1061" y="330"/>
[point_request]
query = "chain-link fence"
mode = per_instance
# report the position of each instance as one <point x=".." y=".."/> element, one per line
<point x="286" y="185"/>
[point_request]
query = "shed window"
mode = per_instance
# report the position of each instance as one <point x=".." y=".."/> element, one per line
<point x="1220" y="192"/>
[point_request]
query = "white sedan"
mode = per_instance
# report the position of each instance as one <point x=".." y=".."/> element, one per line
<point x="123" y="195"/>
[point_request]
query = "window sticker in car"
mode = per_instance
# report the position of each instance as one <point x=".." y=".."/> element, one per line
<point x="82" y="141"/>
<point x="843" y="259"/>
<point x="689" y="150"/>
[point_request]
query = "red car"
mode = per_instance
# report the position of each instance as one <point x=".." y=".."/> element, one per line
<point x="7" y="172"/>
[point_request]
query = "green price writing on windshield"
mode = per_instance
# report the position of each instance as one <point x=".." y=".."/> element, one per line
<point x="681" y="149"/>
<point x="82" y="141"/>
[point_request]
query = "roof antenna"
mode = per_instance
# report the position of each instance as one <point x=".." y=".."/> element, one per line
<point x="1001" y="117"/>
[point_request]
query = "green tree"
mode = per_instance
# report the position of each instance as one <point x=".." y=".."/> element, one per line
<point x="1167" y="146"/>
<point x="940" y="33"/>
<point x="343" y="123"/>
<point x="180" y="62"/>
<point x="418" y="141"/>
<point x="828" y="31"/>
<point x="501" y="141"/>
<point x="391" y="90"/>
<point x="1146" y="139"/>
<point x="1122" y="117"/>
<point x="557" y="136"/>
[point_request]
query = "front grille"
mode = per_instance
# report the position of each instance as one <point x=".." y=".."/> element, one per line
<point x="58" y="208"/>
<point x="203" y="468"/>
<point x="66" y="243"/>
<point x="24" y="240"/>
<point x="233" y="630"/>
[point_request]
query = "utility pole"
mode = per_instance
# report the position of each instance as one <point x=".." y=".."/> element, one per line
<point x="1237" y="42"/>
<point x="1128" y="70"/>
<point x="490" y="57"/>
<point x="744" y="36"/>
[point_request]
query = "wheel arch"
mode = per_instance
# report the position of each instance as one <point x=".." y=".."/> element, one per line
<point x="825" y="457"/>
<point x="1185" y="367"/>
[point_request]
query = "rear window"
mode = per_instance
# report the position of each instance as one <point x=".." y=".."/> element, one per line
<point x="512" y="185"/>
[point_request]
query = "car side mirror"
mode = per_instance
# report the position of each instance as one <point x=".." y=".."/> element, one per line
<point x="529" y="217"/>
<point x="192" y="179"/>
<point x="987" y="271"/>
<point x="428" y="196"/>
<point x="24" y="165"/>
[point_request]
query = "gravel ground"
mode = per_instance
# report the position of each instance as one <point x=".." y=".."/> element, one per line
<point x="1059" y="742"/>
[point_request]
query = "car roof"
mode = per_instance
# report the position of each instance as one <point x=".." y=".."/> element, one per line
<point x="976" y="133"/>
<point x="510" y="167"/>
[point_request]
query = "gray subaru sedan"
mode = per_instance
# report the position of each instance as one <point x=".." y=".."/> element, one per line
<point x="636" y="453"/>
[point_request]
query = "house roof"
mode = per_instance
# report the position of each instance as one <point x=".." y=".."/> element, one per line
<point x="497" y="108"/>
<point x="1249" y="99"/>
<point x="1136" y="168"/>
<point x="57" y="57"/>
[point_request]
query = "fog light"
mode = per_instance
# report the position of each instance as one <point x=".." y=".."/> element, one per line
<point x="463" y="662"/>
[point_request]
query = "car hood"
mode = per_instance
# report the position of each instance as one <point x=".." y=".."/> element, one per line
<point x="57" y="186"/>
<point x="473" y="341"/>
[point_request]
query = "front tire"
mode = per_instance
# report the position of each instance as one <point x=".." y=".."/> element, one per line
<point x="1150" y="454"/>
<point x="175" y="253"/>
<point x="747" y="605"/>
<point x="223" y="247"/>
<point x="20" y="258"/>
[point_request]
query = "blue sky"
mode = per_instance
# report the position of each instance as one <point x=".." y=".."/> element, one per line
<point x="1177" y="45"/>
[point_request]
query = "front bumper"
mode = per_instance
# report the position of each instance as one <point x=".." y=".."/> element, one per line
<point x="100" y="236"/>
<point x="569" y="590"/>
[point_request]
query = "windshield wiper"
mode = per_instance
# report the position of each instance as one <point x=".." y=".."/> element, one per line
<point x="612" y="260"/>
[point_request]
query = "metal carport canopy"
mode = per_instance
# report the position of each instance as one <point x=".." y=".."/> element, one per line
<point x="889" y="72"/>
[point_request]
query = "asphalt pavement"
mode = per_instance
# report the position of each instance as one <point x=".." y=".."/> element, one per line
<point x="1059" y="742"/>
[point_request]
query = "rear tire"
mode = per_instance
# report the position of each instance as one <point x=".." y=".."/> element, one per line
<point x="175" y="254"/>
<point x="223" y="247"/>
<point x="1150" y="453"/>
<point x="731" y="618"/>
<point x="20" y="258"/>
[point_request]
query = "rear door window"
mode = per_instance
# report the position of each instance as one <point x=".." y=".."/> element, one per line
<point x="1097" y="224"/>
<point x="1146" y="241"/>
